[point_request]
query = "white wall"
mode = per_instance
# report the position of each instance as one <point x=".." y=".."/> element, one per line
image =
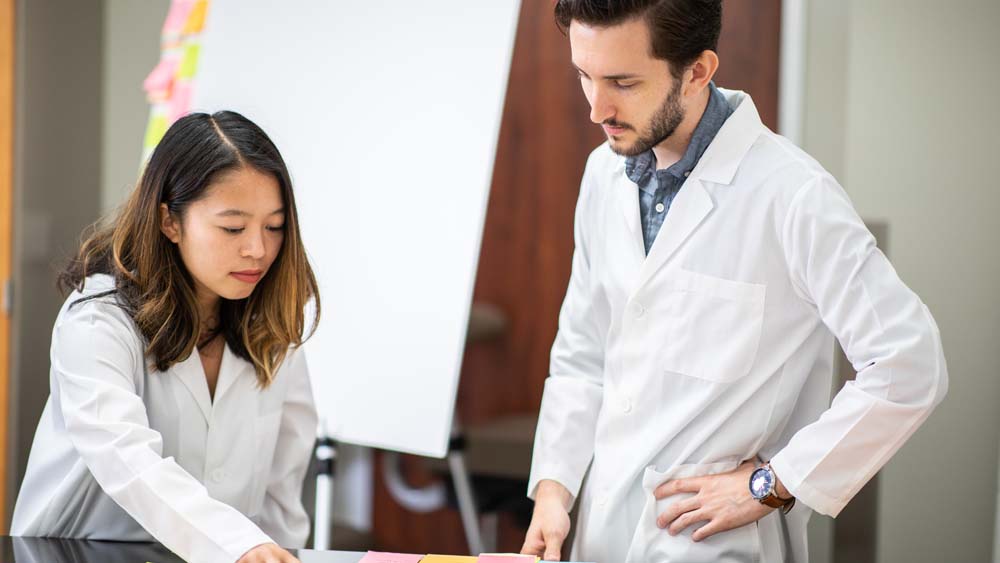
<point x="131" y="50"/>
<point x="901" y="108"/>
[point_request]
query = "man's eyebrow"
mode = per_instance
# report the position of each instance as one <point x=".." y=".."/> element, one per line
<point x="622" y="76"/>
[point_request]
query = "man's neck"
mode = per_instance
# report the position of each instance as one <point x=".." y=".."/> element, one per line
<point x="670" y="150"/>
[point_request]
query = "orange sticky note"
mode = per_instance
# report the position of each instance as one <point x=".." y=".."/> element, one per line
<point x="196" y="19"/>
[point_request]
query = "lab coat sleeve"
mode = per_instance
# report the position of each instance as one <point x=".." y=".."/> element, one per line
<point x="283" y="516"/>
<point x="888" y="335"/>
<point x="94" y="356"/>
<point x="571" y="401"/>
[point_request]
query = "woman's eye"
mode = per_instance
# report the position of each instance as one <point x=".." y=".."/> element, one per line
<point x="276" y="229"/>
<point x="233" y="231"/>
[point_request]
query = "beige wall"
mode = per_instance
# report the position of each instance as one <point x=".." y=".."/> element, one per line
<point x="131" y="50"/>
<point x="900" y="106"/>
<point x="56" y="187"/>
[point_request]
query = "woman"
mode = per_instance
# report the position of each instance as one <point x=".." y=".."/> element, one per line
<point x="180" y="405"/>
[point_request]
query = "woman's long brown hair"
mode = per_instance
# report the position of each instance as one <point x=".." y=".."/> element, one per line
<point x="151" y="282"/>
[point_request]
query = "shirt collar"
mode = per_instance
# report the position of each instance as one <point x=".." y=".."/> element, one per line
<point x="639" y="167"/>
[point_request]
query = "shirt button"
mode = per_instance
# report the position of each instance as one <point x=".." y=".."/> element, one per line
<point x="660" y="208"/>
<point x="627" y="406"/>
<point x="219" y="475"/>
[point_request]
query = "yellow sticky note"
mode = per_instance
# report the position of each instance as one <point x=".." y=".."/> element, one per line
<point x="155" y="129"/>
<point x="448" y="559"/>
<point x="196" y="18"/>
<point x="189" y="62"/>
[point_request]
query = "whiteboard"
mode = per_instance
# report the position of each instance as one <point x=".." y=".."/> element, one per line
<point x="387" y="114"/>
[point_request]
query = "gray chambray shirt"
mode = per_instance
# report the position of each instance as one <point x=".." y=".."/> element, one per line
<point x="657" y="188"/>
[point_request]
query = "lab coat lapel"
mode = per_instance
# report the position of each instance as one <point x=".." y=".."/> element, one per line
<point x="230" y="370"/>
<point x="627" y="199"/>
<point x="192" y="375"/>
<point x="718" y="165"/>
<point x="689" y="208"/>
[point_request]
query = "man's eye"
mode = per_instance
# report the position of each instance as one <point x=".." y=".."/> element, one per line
<point x="624" y="85"/>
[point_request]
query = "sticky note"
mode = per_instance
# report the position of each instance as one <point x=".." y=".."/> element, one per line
<point x="506" y="558"/>
<point x="381" y="557"/>
<point x="196" y="19"/>
<point x="180" y="101"/>
<point x="158" y="84"/>
<point x="189" y="61"/>
<point x="448" y="559"/>
<point x="177" y="17"/>
<point x="154" y="130"/>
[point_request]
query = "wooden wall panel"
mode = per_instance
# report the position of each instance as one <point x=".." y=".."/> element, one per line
<point x="545" y="138"/>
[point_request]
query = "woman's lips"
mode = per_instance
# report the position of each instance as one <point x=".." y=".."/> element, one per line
<point x="247" y="276"/>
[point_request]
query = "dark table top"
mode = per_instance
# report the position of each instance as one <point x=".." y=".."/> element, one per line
<point x="50" y="550"/>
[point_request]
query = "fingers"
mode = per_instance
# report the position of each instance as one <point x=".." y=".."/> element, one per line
<point x="687" y="519"/>
<point x="710" y="529"/>
<point x="692" y="485"/>
<point x="533" y="546"/>
<point x="553" y="546"/>
<point x="675" y="510"/>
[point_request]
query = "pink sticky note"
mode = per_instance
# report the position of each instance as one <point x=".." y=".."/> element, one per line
<point x="380" y="557"/>
<point x="180" y="101"/>
<point x="177" y="16"/>
<point x="157" y="84"/>
<point x="506" y="559"/>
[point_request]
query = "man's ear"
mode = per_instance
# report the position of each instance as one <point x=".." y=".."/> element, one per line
<point x="169" y="225"/>
<point x="700" y="73"/>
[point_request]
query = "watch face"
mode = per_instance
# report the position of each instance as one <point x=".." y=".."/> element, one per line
<point x="761" y="483"/>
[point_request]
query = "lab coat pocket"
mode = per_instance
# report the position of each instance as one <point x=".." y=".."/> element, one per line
<point x="715" y="326"/>
<point x="651" y="544"/>
<point x="266" y="428"/>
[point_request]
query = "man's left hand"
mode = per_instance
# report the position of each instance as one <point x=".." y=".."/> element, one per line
<point x="723" y="501"/>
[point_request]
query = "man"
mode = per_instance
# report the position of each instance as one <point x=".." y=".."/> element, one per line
<point x="715" y="262"/>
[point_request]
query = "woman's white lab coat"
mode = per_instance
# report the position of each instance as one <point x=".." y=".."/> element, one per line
<point x="124" y="452"/>
<point x="717" y="347"/>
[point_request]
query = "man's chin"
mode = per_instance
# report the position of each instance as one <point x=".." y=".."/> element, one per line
<point x="623" y="148"/>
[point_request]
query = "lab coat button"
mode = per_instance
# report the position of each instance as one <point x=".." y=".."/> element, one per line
<point x="219" y="475"/>
<point x="627" y="406"/>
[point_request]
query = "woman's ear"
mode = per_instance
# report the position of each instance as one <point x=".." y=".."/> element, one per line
<point x="169" y="225"/>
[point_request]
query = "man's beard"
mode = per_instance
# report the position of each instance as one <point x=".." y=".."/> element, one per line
<point x="662" y="125"/>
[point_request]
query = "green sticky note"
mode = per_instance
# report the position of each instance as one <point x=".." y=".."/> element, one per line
<point x="189" y="63"/>
<point x="154" y="130"/>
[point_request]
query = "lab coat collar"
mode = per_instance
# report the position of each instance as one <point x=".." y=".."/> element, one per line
<point x="724" y="155"/>
<point x="693" y="203"/>
<point x="192" y="375"/>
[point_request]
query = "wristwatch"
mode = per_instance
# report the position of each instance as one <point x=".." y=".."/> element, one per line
<point x="763" y="483"/>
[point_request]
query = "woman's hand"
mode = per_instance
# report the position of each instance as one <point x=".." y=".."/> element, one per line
<point x="722" y="501"/>
<point x="268" y="553"/>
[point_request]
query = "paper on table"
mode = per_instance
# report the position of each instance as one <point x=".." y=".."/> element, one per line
<point x="506" y="558"/>
<point x="448" y="559"/>
<point x="381" y="557"/>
